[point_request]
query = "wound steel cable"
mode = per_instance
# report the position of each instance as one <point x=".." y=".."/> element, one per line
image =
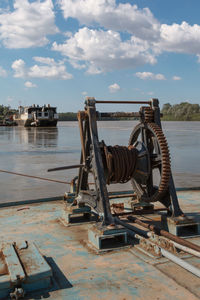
<point x="35" y="177"/>
<point x="120" y="163"/>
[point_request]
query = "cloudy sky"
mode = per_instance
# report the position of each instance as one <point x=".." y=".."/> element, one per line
<point x="60" y="51"/>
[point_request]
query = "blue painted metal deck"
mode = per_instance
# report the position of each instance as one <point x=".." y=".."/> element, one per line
<point x="80" y="273"/>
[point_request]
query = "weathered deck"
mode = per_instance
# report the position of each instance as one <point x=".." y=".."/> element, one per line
<point x="79" y="273"/>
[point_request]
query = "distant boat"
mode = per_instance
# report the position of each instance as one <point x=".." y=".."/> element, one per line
<point x="36" y="116"/>
<point x="8" y="121"/>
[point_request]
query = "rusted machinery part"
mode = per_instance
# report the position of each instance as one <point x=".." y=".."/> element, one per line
<point x="177" y="245"/>
<point x="164" y="233"/>
<point x="154" y="131"/>
<point x="139" y="234"/>
<point x="119" y="163"/>
<point x="148" y="114"/>
<point x="165" y="156"/>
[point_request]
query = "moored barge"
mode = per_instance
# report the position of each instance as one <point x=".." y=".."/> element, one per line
<point x="37" y="116"/>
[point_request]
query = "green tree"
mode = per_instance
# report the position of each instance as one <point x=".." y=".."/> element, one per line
<point x="184" y="111"/>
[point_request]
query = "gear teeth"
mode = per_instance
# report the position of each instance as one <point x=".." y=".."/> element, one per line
<point x="148" y="114"/>
<point x="165" y="161"/>
<point x="166" y="166"/>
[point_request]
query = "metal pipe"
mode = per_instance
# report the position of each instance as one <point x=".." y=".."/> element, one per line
<point x="81" y="115"/>
<point x="66" y="168"/>
<point x="180" y="262"/>
<point x="130" y="227"/>
<point x="166" y="234"/>
<point x="138" y="212"/>
<point x="35" y="177"/>
<point x="186" y="249"/>
<point x="164" y="252"/>
<point x="122" y="102"/>
<point x="174" y="258"/>
<point x="180" y="247"/>
<point x="121" y="196"/>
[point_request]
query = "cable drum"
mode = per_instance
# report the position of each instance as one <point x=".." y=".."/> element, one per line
<point x="119" y="163"/>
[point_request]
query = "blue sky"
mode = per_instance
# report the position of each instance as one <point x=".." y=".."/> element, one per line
<point x="61" y="51"/>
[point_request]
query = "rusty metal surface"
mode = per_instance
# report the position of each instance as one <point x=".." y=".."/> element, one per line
<point x="118" y="115"/>
<point x="164" y="233"/>
<point x="79" y="273"/>
<point x="122" y="102"/>
<point x="147" y="152"/>
<point x="160" y="159"/>
<point x="119" y="163"/>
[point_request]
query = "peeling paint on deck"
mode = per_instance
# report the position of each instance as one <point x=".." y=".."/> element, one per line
<point x="82" y="274"/>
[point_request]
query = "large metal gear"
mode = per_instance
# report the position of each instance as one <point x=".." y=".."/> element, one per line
<point x="157" y="156"/>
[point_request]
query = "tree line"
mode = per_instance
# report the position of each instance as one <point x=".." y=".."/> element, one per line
<point x="68" y="116"/>
<point x="184" y="111"/>
<point x="6" y="111"/>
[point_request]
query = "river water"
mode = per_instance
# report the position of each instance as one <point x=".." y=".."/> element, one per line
<point x="34" y="150"/>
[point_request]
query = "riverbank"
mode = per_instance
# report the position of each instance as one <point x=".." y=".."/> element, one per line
<point x="194" y="117"/>
<point x="184" y="111"/>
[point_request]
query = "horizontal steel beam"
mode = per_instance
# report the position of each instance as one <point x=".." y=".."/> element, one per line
<point x="121" y="102"/>
<point x="118" y="115"/>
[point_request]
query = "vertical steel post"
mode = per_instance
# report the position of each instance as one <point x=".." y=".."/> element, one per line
<point x="82" y="183"/>
<point x="103" y="199"/>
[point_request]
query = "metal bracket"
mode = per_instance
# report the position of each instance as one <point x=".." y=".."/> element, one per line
<point x="107" y="237"/>
<point x="181" y="225"/>
<point x="77" y="214"/>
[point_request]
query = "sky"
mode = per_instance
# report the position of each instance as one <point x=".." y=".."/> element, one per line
<point x="60" y="51"/>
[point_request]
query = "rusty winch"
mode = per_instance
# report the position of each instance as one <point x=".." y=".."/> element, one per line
<point x="145" y="161"/>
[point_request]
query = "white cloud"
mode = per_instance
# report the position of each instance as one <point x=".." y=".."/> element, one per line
<point x="141" y="23"/>
<point x="29" y="84"/>
<point x="50" y="69"/>
<point x="103" y="51"/>
<point x="176" y="78"/>
<point x="182" y="38"/>
<point x="19" y="68"/>
<point x="46" y="68"/>
<point x="144" y="29"/>
<point x="84" y="93"/>
<point x="113" y="88"/>
<point x="149" y="76"/>
<point x="110" y="15"/>
<point x="3" y="72"/>
<point x="28" y="24"/>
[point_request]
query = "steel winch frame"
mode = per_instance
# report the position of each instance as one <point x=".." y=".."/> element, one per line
<point x="91" y="158"/>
